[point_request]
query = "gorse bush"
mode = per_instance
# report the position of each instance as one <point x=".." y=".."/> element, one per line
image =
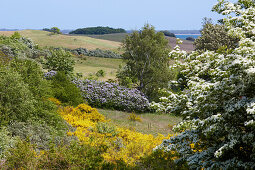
<point x="118" y="143"/>
<point x="111" y="95"/>
<point x="218" y="103"/>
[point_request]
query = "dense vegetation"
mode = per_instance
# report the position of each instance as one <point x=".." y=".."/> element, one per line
<point x="147" y="62"/>
<point x="44" y="123"/>
<point x="218" y="100"/>
<point x="214" y="37"/>
<point x="98" y="30"/>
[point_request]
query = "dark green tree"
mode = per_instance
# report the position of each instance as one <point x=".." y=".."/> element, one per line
<point x="214" y="37"/>
<point x="147" y="64"/>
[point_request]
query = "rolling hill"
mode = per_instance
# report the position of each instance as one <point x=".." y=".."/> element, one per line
<point x="44" y="38"/>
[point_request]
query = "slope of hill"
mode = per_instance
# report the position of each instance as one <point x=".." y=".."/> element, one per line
<point x="186" y="45"/>
<point x="44" y="38"/>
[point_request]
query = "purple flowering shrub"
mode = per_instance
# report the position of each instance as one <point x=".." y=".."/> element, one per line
<point x="111" y="95"/>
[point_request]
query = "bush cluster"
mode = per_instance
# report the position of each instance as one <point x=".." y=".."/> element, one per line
<point x="111" y="95"/>
<point x="95" y="53"/>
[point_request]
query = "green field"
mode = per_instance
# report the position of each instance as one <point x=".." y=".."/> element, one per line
<point x="152" y="123"/>
<point x="90" y="65"/>
<point x="44" y="38"/>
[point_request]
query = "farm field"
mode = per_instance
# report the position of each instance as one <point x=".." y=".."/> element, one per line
<point x="44" y="39"/>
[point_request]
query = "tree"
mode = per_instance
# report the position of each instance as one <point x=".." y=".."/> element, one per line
<point x="146" y="56"/>
<point x="219" y="108"/>
<point x="55" y="30"/>
<point x="214" y="37"/>
<point x="60" y="60"/>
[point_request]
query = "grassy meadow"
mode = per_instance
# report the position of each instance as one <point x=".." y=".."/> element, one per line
<point x="90" y="65"/>
<point x="151" y="123"/>
<point x="44" y="38"/>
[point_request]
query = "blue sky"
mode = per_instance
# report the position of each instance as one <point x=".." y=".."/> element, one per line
<point x="129" y="14"/>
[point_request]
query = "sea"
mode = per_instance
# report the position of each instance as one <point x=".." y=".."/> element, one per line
<point x="184" y="36"/>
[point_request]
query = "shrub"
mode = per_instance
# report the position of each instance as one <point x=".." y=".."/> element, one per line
<point x="94" y="53"/>
<point x="60" y="60"/>
<point x="65" y="90"/>
<point x="16" y="101"/>
<point x="190" y="39"/>
<point x="111" y="95"/>
<point x="219" y="99"/>
<point x="100" y="73"/>
<point x="167" y="33"/>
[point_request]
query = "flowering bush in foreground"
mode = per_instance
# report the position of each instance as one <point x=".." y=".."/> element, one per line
<point x="121" y="144"/>
<point x="111" y="95"/>
<point x="219" y="101"/>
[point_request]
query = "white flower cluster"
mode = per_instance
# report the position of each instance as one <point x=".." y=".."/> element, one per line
<point x="219" y="101"/>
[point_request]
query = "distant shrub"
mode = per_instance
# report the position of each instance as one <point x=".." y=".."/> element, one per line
<point x="100" y="73"/>
<point x="111" y="95"/>
<point x="54" y="30"/>
<point x="64" y="90"/>
<point x="190" y="39"/>
<point x="168" y="33"/>
<point x="134" y="117"/>
<point x="95" y="53"/>
<point x="97" y="30"/>
<point x="6" y="141"/>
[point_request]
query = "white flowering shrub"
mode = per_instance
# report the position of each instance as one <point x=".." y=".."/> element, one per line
<point x="218" y="103"/>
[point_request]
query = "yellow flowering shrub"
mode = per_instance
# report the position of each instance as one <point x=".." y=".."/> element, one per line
<point x="134" y="117"/>
<point x="55" y="101"/>
<point x="120" y="143"/>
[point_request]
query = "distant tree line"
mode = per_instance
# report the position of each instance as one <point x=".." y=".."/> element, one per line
<point x="98" y="30"/>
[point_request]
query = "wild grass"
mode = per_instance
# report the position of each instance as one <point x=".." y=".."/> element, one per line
<point x="90" y="65"/>
<point x="44" y="38"/>
<point x="151" y="123"/>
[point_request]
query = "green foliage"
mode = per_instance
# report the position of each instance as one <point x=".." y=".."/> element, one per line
<point x="22" y="156"/>
<point x="16" y="35"/>
<point x="98" y="30"/>
<point x="146" y="55"/>
<point x="16" y="101"/>
<point x="60" y="60"/>
<point x="100" y="73"/>
<point x="65" y="90"/>
<point x="94" y="53"/>
<point x="190" y="39"/>
<point x="167" y="33"/>
<point x="32" y="75"/>
<point x="161" y="160"/>
<point x="213" y="37"/>
<point x="54" y="30"/>
<point x="6" y="141"/>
